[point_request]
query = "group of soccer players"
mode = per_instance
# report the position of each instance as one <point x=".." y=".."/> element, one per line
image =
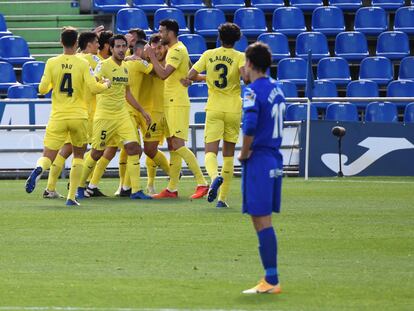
<point x="118" y="88"/>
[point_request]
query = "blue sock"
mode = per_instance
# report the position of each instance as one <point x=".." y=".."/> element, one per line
<point x="268" y="254"/>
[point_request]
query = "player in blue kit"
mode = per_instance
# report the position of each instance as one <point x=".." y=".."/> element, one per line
<point x="262" y="162"/>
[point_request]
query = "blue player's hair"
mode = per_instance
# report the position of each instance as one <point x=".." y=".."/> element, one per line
<point x="259" y="55"/>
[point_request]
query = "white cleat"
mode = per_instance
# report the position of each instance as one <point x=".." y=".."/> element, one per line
<point x="151" y="190"/>
<point x="52" y="195"/>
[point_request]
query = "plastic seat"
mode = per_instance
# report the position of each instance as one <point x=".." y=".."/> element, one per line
<point x="289" y="21"/>
<point x="298" y="112"/>
<point x="381" y="112"/>
<point x="289" y="88"/>
<point x="240" y="45"/>
<point x="335" y="69"/>
<point x="207" y="21"/>
<point x="393" y="44"/>
<point x="388" y="4"/>
<point x="306" y="5"/>
<point x="292" y="69"/>
<point x="32" y="73"/>
<point x="407" y="68"/>
<point x="371" y="20"/>
<point x="196" y="45"/>
<point x="314" y="41"/>
<point x="189" y="6"/>
<point x="351" y="45"/>
<point x="198" y="90"/>
<point x="409" y="113"/>
<point x="200" y="117"/>
<point x="323" y="88"/>
<point x="278" y="44"/>
<point x="251" y="21"/>
<point x="267" y="5"/>
<point x="362" y="88"/>
<point x="378" y="69"/>
<point x="149" y="5"/>
<point x="328" y="19"/>
<point x="14" y="49"/>
<point x="346" y="5"/>
<point x="109" y="6"/>
<point x="341" y="112"/>
<point x="228" y="5"/>
<point x="3" y="27"/>
<point x="22" y="91"/>
<point x="404" y="20"/>
<point x="171" y="13"/>
<point x="7" y="76"/>
<point x="400" y="88"/>
<point x="127" y="19"/>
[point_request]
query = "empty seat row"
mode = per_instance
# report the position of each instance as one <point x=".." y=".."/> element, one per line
<point x="31" y="74"/>
<point x="14" y="49"/>
<point x="3" y="27"/>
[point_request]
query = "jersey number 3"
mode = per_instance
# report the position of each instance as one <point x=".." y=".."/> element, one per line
<point x="222" y="82"/>
<point x="66" y="84"/>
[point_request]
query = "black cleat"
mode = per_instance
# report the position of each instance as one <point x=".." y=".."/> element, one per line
<point x="95" y="192"/>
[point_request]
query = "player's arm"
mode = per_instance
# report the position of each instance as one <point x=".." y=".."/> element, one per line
<point x="163" y="72"/>
<point x="46" y="82"/>
<point x="250" y="117"/>
<point x="94" y="86"/>
<point x="132" y="101"/>
<point x="199" y="66"/>
<point x="242" y="71"/>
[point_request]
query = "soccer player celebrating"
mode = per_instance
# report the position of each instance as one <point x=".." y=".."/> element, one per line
<point x="262" y="162"/>
<point x="224" y="66"/>
<point x="104" y="48"/>
<point x="66" y="74"/>
<point x="177" y="109"/>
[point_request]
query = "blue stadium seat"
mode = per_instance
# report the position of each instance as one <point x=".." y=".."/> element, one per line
<point x="32" y="73"/>
<point x="289" y="88"/>
<point x="228" y="5"/>
<point x="289" y="21"/>
<point x="196" y="45"/>
<point x="240" y="45"/>
<point x="14" y="49"/>
<point x="206" y="21"/>
<point x="407" y="68"/>
<point x="292" y="69"/>
<point x="328" y="19"/>
<point x="381" y="112"/>
<point x="306" y="5"/>
<point x="393" y="44"/>
<point x="251" y="21"/>
<point x="324" y="88"/>
<point x="346" y="5"/>
<point x="7" y="76"/>
<point x="200" y="117"/>
<point x="189" y="6"/>
<point x="298" y="112"/>
<point x="171" y="13"/>
<point x="314" y="41"/>
<point x="3" y="27"/>
<point x="400" y="88"/>
<point x="149" y="5"/>
<point x="21" y="91"/>
<point x="267" y="5"/>
<point x="404" y="20"/>
<point x="388" y="4"/>
<point x="409" y="113"/>
<point x="362" y="88"/>
<point x="335" y="69"/>
<point x="371" y="20"/>
<point x="341" y="112"/>
<point x="127" y="19"/>
<point x="198" y="90"/>
<point x="351" y="45"/>
<point x="109" y="6"/>
<point x="278" y="44"/>
<point x="378" y="69"/>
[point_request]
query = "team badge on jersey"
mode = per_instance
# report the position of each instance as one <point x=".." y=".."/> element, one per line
<point x="126" y="71"/>
<point x="98" y="67"/>
<point x="249" y="98"/>
<point x="145" y="63"/>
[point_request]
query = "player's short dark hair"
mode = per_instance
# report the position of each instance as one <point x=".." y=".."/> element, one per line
<point x="259" y="55"/>
<point x="229" y="33"/>
<point x="104" y="38"/>
<point x="141" y="35"/>
<point x="156" y="38"/>
<point x="171" y="25"/>
<point x="117" y="37"/>
<point x="140" y="44"/>
<point x="69" y="36"/>
<point x="85" y="38"/>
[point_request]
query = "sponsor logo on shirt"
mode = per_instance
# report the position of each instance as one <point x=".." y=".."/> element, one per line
<point x="249" y="98"/>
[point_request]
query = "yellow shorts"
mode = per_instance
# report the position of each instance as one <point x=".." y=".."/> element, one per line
<point x="222" y="125"/>
<point x="178" y="119"/>
<point x="89" y="134"/>
<point x="58" y="131"/>
<point x="157" y="130"/>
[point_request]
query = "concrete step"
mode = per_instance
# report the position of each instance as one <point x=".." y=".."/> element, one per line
<point x="62" y="7"/>
<point x="50" y="21"/>
<point x="41" y="34"/>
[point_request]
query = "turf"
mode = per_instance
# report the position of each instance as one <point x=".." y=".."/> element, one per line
<point x="343" y="244"/>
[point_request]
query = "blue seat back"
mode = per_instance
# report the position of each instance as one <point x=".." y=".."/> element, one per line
<point x="170" y="13"/>
<point x="341" y="112"/>
<point x="240" y="45"/>
<point x="13" y="46"/>
<point x="388" y="4"/>
<point x="351" y="43"/>
<point x="291" y="68"/>
<point x="381" y="112"/>
<point x="21" y="91"/>
<point x="371" y="20"/>
<point x="278" y="43"/>
<point x="324" y="88"/>
<point x="407" y="68"/>
<point x="314" y="41"/>
<point x="228" y="5"/>
<point x="335" y="69"/>
<point x="196" y="44"/>
<point x="206" y="21"/>
<point x="7" y="73"/>
<point x="404" y="19"/>
<point x="127" y="19"/>
<point x="362" y="88"/>
<point x="3" y="25"/>
<point x="393" y="44"/>
<point x="267" y="5"/>
<point x="289" y="88"/>
<point x="250" y="19"/>
<point x="409" y="113"/>
<point x="346" y="5"/>
<point x="328" y="20"/>
<point x="377" y="68"/>
<point x="200" y="117"/>
<point x="288" y="20"/>
<point x="306" y="5"/>
<point x="401" y="88"/>
<point x="198" y="90"/>
<point x="32" y="72"/>
<point x="298" y="112"/>
<point x="149" y="5"/>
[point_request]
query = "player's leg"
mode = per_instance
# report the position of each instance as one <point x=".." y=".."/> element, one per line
<point x="56" y="170"/>
<point x="154" y="159"/>
<point x="226" y="172"/>
<point x="211" y="163"/>
<point x="123" y="158"/>
<point x="75" y="174"/>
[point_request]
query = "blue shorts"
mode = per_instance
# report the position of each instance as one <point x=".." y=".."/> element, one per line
<point x="262" y="183"/>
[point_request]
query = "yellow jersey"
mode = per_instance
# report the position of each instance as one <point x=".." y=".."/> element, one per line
<point x="157" y="94"/>
<point x="111" y="104"/>
<point x="175" y="94"/>
<point x="90" y="98"/>
<point x="223" y="78"/>
<point x="67" y="75"/>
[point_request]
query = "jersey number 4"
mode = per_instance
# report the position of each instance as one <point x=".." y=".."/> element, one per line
<point x="223" y="70"/>
<point x="66" y="84"/>
<point x="277" y="113"/>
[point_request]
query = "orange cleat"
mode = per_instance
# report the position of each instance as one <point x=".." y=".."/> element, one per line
<point x="166" y="194"/>
<point x="264" y="288"/>
<point x="200" y="192"/>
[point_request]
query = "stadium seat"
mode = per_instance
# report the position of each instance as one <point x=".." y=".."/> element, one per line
<point x="371" y="20"/>
<point x="289" y="88"/>
<point x="14" y="49"/>
<point x="149" y="5"/>
<point x="7" y="76"/>
<point x="267" y="5"/>
<point x="381" y="112"/>
<point x="378" y="69"/>
<point x="409" y="113"/>
<point x="251" y="21"/>
<point x="109" y="6"/>
<point x="351" y="45"/>
<point x="200" y="117"/>
<point x="393" y="44"/>
<point x="335" y="69"/>
<point x="314" y="41"/>
<point x="407" y="68"/>
<point x="198" y="90"/>
<point x="298" y="112"/>
<point x="292" y="69"/>
<point x="341" y="112"/>
<point x="189" y="6"/>
<point x="404" y="20"/>
<point x="278" y="44"/>
<point x="346" y="5"/>
<point x="240" y="45"/>
<point x="207" y="21"/>
<point x="228" y="5"/>
<point x="328" y="19"/>
<point x="127" y="19"/>
<point x="196" y="45"/>
<point x="3" y="27"/>
<point x="362" y="88"/>
<point x="401" y="88"/>
<point x="171" y="13"/>
<point x="388" y="4"/>
<point x="306" y="5"/>
<point x="21" y="91"/>
<point x="323" y="88"/>
<point x="289" y="21"/>
<point x="32" y="73"/>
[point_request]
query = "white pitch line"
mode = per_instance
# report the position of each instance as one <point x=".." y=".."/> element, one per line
<point x="364" y="181"/>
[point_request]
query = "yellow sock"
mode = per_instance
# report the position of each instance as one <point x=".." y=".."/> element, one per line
<point x="123" y="158"/>
<point x="175" y="168"/>
<point x="88" y="167"/>
<point x="211" y="165"/>
<point x="100" y="168"/>
<point x="161" y="160"/>
<point x="134" y="171"/>
<point x="54" y="172"/>
<point x="191" y="161"/>
<point x="151" y="171"/>
<point x="227" y="174"/>
<point x="127" y="180"/>
<point x="74" y="177"/>
<point x="91" y="173"/>
<point x="44" y="163"/>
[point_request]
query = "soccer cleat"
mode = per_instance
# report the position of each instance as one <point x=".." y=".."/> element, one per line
<point x="222" y="204"/>
<point x="166" y="194"/>
<point x="214" y="187"/>
<point x="52" y="195"/>
<point x="70" y="202"/>
<point x="118" y="192"/>
<point x="140" y="195"/>
<point x="125" y="193"/>
<point x="151" y="190"/>
<point x="95" y="192"/>
<point x="264" y="288"/>
<point x="200" y="192"/>
<point x="33" y="179"/>
<point x="80" y="193"/>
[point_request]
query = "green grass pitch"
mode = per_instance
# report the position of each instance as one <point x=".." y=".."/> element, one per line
<point x="343" y="245"/>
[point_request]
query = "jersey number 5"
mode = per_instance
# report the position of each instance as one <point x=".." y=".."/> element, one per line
<point x="277" y="113"/>
<point x="222" y="83"/>
<point x="66" y="84"/>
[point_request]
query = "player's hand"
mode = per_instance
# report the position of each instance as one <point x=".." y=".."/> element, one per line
<point x="107" y="82"/>
<point x="147" y="117"/>
<point x="129" y="38"/>
<point x="243" y="157"/>
<point x="99" y="29"/>
<point x="186" y="82"/>
<point x="149" y="51"/>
